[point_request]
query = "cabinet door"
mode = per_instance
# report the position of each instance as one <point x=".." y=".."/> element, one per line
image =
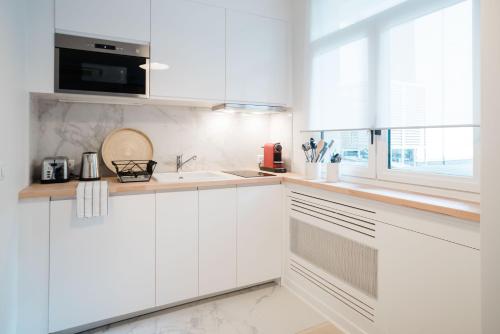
<point x="189" y="37"/>
<point x="102" y="267"/>
<point x="257" y="59"/>
<point x="260" y="217"/>
<point x="427" y="285"/>
<point x="109" y="19"/>
<point x="217" y="242"/>
<point x="176" y="246"/>
<point x="40" y="38"/>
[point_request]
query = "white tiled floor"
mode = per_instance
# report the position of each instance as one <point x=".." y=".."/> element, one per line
<point x="266" y="310"/>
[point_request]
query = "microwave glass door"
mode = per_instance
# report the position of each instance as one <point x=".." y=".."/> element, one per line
<point x="100" y="72"/>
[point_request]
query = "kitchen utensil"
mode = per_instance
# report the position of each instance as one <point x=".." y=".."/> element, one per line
<point x="321" y="145"/>
<point x="325" y="150"/>
<point x="55" y="170"/>
<point x="306" y="148"/>
<point x="312" y="142"/>
<point x="89" y="169"/>
<point x="336" y="158"/>
<point x="126" y="144"/>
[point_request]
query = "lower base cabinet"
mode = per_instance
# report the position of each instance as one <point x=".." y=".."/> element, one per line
<point x="260" y="212"/>
<point x="381" y="269"/>
<point x="217" y="241"/>
<point x="160" y="249"/>
<point x="176" y="246"/>
<point x="427" y="285"/>
<point x="103" y="267"/>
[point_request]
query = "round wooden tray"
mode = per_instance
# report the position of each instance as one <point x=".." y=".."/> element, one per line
<point x="126" y="144"/>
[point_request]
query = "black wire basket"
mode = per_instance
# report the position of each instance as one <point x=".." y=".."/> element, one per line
<point x="134" y="170"/>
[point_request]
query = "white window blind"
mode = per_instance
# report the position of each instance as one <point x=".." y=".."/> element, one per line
<point x="379" y="64"/>
<point x="341" y="84"/>
<point x="328" y="16"/>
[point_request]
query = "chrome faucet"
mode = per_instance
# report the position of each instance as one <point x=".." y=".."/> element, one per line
<point x="181" y="163"/>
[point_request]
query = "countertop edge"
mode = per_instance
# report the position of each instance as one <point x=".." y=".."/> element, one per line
<point x="441" y="205"/>
<point x="447" y="206"/>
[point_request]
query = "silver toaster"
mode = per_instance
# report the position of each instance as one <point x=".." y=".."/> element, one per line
<point x="55" y="170"/>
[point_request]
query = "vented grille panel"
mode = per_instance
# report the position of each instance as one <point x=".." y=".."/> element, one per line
<point x="333" y="290"/>
<point x="342" y="219"/>
<point x="348" y="260"/>
<point x="327" y="201"/>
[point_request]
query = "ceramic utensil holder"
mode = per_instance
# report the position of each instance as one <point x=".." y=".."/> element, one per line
<point x="333" y="172"/>
<point x="313" y="170"/>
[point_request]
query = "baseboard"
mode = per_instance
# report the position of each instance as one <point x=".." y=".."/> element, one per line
<point x="169" y="307"/>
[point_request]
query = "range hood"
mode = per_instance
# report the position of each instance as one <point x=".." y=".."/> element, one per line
<point x="254" y="108"/>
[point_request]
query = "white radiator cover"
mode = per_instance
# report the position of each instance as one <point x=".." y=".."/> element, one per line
<point x="343" y="258"/>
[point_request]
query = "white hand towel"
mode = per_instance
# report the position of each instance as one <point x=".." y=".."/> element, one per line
<point x="92" y="199"/>
<point x="104" y="198"/>
<point x="80" y="200"/>
<point x="96" y="198"/>
<point x="88" y="199"/>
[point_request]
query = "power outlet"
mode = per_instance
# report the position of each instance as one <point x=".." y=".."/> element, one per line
<point x="71" y="165"/>
<point x="3" y="171"/>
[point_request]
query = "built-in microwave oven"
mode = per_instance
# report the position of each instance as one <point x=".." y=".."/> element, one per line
<point x="95" y="66"/>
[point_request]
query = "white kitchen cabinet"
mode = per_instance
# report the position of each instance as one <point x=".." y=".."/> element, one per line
<point x="176" y="246"/>
<point x="110" y="19"/>
<point x="257" y="59"/>
<point x="40" y="42"/>
<point x="427" y="285"/>
<point x="190" y="38"/>
<point x="33" y="266"/>
<point x="260" y="217"/>
<point x="217" y="240"/>
<point x="102" y="267"/>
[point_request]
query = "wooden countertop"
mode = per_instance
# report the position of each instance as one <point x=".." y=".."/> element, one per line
<point x="68" y="190"/>
<point x="441" y="205"/>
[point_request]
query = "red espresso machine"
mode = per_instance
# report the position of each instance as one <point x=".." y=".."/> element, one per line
<point x="273" y="161"/>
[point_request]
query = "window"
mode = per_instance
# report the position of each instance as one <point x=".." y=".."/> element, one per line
<point x="408" y="67"/>
<point x="448" y="151"/>
<point x="356" y="150"/>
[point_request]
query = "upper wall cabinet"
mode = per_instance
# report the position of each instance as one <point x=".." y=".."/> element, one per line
<point x="110" y="19"/>
<point x="189" y="37"/>
<point x="40" y="38"/>
<point x="257" y="59"/>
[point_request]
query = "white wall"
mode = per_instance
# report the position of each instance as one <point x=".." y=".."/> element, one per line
<point x="13" y="150"/>
<point x="490" y="184"/>
<point x="300" y="81"/>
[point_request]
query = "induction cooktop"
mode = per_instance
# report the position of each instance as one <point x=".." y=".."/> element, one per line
<point x="248" y="173"/>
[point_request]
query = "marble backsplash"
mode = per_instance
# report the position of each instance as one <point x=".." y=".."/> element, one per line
<point x="221" y="141"/>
